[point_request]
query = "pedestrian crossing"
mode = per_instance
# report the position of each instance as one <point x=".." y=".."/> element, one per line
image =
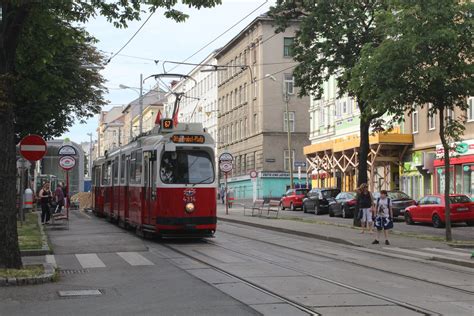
<point x="98" y="260"/>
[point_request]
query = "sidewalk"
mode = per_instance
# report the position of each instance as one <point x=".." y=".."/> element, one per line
<point x="406" y="246"/>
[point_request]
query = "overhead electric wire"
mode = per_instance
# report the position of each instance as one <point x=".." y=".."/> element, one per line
<point x="222" y="34"/>
<point x="131" y="38"/>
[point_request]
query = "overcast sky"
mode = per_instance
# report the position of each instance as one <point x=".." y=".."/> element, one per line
<point x="161" y="39"/>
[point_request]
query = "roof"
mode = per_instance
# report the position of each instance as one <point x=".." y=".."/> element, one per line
<point x="149" y="98"/>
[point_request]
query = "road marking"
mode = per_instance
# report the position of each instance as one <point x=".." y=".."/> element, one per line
<point x="464" y="255"/>
<point x="50" y="259"/>
<point x="90" y="260"/>
<point x="419" y="253"/>
<point x="135" y="259"/>
<point x="79" y="293"/>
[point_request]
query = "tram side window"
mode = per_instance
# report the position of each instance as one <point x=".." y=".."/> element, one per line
<point x="115" y="170"/>
<point x="106" y="173"/>
<point x="122" y="168"/>
<point x="136" y="167"/>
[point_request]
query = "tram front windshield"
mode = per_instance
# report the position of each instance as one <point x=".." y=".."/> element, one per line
<point x="186" y="167"/>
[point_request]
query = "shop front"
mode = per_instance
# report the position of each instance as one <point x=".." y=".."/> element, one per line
<point x="417" y="174"/>
<point x="461" y="162"/>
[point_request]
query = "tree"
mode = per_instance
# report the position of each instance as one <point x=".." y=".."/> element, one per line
<point x="425" y="58"/>
<point x="329" y="42"/>
<point x="15" y="17"/>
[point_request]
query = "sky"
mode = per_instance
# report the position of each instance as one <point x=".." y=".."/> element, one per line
<point x="161" y="39"/>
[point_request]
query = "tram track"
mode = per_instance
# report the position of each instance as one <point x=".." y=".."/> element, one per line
<point x="404" y="305"/>
<point x="335" y="257"/>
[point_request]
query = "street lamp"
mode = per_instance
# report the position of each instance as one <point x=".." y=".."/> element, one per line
<point x="140" y="102"/>
<point x="286" y="98"/>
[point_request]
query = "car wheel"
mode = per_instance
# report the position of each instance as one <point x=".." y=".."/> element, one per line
<point x="470" y="223"/>
<point x="316" y="210"/>
<point x="331" y="213"/>
<point x="281" y="206"/>
<point x="437" y="223"/>
<point x="292" y="207"/>
<point x="304" y="209"/>
<point x="408" y="219"/>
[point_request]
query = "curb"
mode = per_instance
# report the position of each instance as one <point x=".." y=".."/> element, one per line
<point x="293" y="232"/>
<point x="45" y="250"/>
<point x="46" y="277"/>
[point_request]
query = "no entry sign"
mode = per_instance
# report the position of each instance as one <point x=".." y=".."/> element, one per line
<point x="33" y="147"/>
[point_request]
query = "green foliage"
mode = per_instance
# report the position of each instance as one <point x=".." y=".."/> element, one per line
<point x="29" y="234"/>
<point x="426" y="57"/>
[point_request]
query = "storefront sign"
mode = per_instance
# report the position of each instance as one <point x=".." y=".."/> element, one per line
<point x="457" y="149"/>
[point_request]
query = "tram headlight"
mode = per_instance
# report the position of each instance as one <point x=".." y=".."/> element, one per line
<point x="189" y="207"/>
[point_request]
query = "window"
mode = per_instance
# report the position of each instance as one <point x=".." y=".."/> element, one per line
<point x="322" y="116"/>
<point x="470" y="109"/>
<point x="186" y="166"/>
<point x="288" y="46"/>
<point x="136" y="167"/>
<point x="240" y="95"/>
<point x="286" y="159"/>
<point x="115" y="170"/>
<point x="431" y="118"/>
<point x="289" y="82"/>
<point x="246" y="126"/>
<point x="244" y="96"/>
<point x="414" y="122"/>
<point x="449" y="114"/>
<point x="255" y="123"/>
<point x="231" y="101"/>
<point x="235" y="97"/>
<point x="292" y="121"/>
<point x="254" y="53"/>
<point x="255" y="88"/>
<point x="242" y="130"/>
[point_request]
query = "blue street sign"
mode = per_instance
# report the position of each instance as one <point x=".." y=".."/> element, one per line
<point x="301" y="164"/>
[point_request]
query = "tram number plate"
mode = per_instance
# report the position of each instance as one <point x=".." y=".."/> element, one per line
<point x="188" y="139"/>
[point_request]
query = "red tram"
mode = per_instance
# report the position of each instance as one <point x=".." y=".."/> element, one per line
<point x="162" y="183"/>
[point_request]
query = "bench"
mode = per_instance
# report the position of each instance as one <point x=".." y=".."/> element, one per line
<point x="273" y="206"/>
<point x="257" y="205"/>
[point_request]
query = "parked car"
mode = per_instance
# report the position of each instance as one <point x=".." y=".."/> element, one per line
<point x="317" y="200"/>
<point x="344" y="205"/>
<point x="399" y="200"/>
<point x="293" y="199"/>
<point x="430" y="209"/>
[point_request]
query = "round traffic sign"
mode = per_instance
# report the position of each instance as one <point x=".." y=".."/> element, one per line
<point x="226" y="157"/>
<point x="225" y="166"/>
<point x="33" y="147"/>
<point x="67" y="162"/>
<point x="253" y="174"/>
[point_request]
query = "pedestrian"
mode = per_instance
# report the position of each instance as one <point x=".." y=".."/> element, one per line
<point x="383" y="216"/>
<point x="59" y="199"/>
<point x="223" y="194"/>
<point x="365" y="203"/>
<point x="65" y="193"/>
<point x="45" y="200"/>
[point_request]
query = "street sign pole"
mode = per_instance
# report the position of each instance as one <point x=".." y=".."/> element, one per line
<point x="226" y="194"/>
<point x="67" y="194"/>
<point x="22" y="184"/>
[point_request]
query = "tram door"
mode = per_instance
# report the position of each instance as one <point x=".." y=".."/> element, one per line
<point x="149" y="158"/>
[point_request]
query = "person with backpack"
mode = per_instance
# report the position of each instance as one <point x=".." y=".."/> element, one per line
<point x="383" y="216"/>
<point x="365" y="203"/>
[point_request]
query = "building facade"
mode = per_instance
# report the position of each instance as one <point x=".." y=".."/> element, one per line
<point x="110" y="129"/>
<point x="255" y="70"/>
<point x="423" y="168"/>
<point x="333" y="153"/>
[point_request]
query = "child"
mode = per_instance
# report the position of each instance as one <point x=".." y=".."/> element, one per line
<point x="383" y="216"/>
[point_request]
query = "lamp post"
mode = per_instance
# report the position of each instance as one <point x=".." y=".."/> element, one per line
<point x="286" y="99"/>
<point x="140" y="103"/>
<point x="90" y="155"/>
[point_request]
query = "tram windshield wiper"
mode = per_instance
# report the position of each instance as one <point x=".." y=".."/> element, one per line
<point x="202" y="181"/>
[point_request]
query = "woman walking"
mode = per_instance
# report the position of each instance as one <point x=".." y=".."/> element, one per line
<point x="365" y="202"/>
<point x="45" y="198"/>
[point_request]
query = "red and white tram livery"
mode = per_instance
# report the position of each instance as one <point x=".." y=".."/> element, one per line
<point x="163" y="182"/>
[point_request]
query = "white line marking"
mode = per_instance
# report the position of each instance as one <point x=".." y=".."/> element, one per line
<point x="33" y="148"/>
<point x="443" y="251"/>
<point x="90" y="260"/>
<point x="135" y="259"/>
<point x="50" y="259"/>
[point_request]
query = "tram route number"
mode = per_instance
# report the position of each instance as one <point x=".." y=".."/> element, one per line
<point x="188" y="139"/>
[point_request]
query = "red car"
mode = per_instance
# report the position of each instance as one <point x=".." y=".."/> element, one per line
<point x="430" y="209"/>
<point x="293" y="199"/>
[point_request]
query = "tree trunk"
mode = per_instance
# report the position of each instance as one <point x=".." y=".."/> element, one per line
<point x="447" y="172"/>
<point x="363" y="151"/>
<point x="13" y="18"/>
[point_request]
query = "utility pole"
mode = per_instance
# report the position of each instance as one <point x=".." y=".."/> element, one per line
<point x="90" y="156"/>
<point x="140" y="102"/>
<point x="290" y="158"/>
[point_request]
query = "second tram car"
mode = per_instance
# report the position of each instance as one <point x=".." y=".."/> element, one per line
<point x="162" y="183"/>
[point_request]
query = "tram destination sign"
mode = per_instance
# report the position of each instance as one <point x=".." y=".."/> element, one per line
<point x="188" y="139"/>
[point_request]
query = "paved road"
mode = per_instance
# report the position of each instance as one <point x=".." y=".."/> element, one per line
<point x="243" y="271"/>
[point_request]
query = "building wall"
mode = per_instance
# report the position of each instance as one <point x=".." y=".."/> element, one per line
<point x="251" y="106"/>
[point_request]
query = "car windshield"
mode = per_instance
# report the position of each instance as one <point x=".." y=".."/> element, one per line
<point x="330" y="193"/>
<point x="301" y="192"/>
<point x="186" y="167"/>
<point x="352" y="194"/>
<point x="459" y="199"/>
<point x="397" y="195"/>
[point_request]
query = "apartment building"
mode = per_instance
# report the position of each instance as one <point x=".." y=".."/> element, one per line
<point x="255" y="69"/>
<point x="423" y="169"/>
<point x="110" y="129"/>
<point x="199" y="101"/>
<point x="335" y="139"/>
